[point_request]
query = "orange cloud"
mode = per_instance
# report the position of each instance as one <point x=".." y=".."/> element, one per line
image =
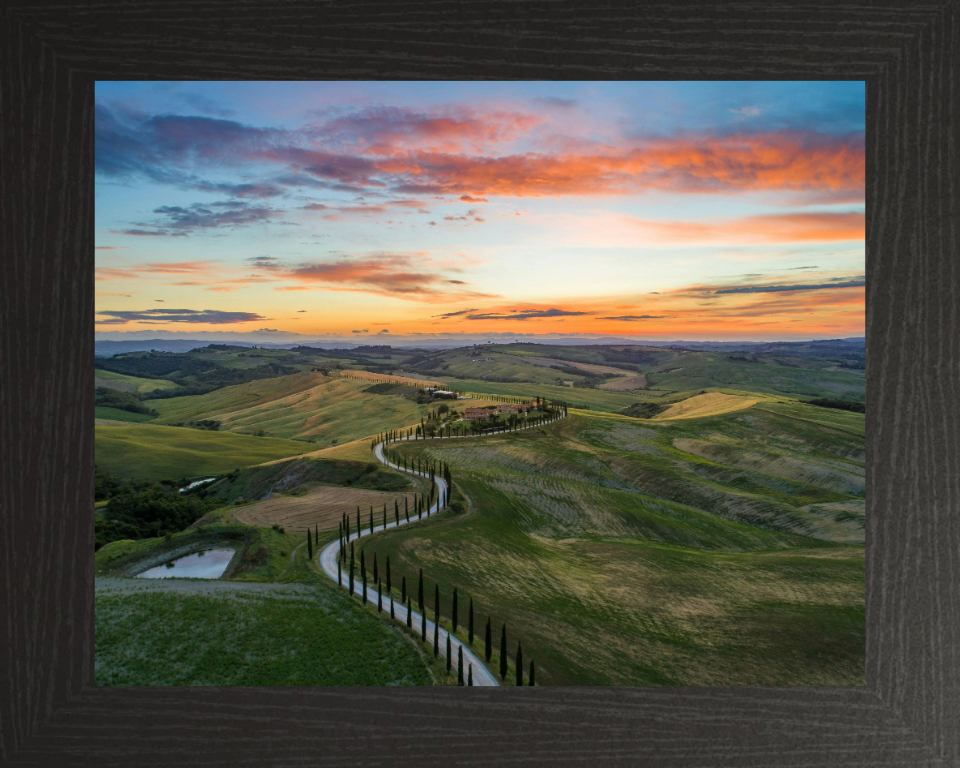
<point x="387" y="275"/>
<point x="766" y="228"/>
<point x="794" y="161"/>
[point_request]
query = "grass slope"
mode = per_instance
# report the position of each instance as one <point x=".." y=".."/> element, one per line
<point x="136" y="383"/>
<point x="619" y="558"/>
<point x="153" y="452"/>
<point x="116" y="414"/>
<point x="170" y="637"/>
<point x="306" y="406"/>
<point x="793" y="377"/>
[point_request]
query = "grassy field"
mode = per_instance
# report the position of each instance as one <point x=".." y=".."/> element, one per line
<point x="308" y="406"/>
<point x="718" y="551"/>
<point x="318" y="638"/>
<point x="116" y="414"/>
<point x="136" y="383"/>
<point x="694" y="370"/>
<point x="594" y="399"/>
<point x="153" y="452"/>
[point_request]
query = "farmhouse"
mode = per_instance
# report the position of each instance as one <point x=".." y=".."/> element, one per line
<point x="511" y="408"/>
<point x="476" y="414"/>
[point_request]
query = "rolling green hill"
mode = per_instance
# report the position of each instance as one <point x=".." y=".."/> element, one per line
<point x="137" y="384"/>
<point x="712" y="551"/>
<point x="116" y="414"/>
<point x="153" y="452"/>
<point x="306" y="405"/>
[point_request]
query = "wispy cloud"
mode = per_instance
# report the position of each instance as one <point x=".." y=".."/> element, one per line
<point x="158" y="316"/>
<point x="397" y="275"/>
<point x="634" y="317"/>
<point x="527" y="314"/>
<point x="786" y="288"/>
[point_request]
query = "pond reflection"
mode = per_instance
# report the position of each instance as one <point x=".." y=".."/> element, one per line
<point x="205" y="564"/>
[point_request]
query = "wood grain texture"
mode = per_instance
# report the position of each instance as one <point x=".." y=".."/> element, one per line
<point x="908" y="714"/>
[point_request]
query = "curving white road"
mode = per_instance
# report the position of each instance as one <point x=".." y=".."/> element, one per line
<point x="328" y="562"/>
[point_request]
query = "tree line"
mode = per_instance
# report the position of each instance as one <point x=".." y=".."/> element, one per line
<point x="378" y="577"/>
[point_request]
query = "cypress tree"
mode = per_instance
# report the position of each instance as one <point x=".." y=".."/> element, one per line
<point x="409" y="615"/>
<point x="436" y="638"/>
<point x="423" y="626"/>
<point x="388" y="574"/>
<point x="519" y="664"/>
<point x="316" y="534"/>
<point x="384" y="516"/>
<point x="453" y="610"/>
<point x="488" y="643"/>
<point x="448" y="653"/>
<point x="460" y="666"/>
<point x="358" y="522"/>
<point x="379" y="597"/>
<point x="403" y="593"/>
<point x="376" y="573"/>
<point x="533" y="671"/>
<point x="363" y="562"/>
<point x="363" y="572"/>
<point x="339" y="577"/>
<point x="309" y="545"/>
<point x="470" y="675"/>
<point x="351" y="571"/>
<point x="471" y="621"/>
<point x="420" y="592"/>
<point x="396" y="511"/>
<point x="371" y="519"/>
<point x="406" y="510"/>
<point x="503" y="653"/>
<point x="436" y="604"/>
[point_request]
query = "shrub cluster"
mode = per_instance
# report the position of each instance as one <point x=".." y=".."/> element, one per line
<point x="843" y="405"/>
<point x="124" y="401"/>
<point x="143" y="509"/>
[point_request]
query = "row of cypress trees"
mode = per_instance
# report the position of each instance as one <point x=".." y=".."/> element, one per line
<point x="454" y="621"/>
<point x="431" y="471"/>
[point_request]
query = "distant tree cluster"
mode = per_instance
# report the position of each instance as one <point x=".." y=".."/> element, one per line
<point x="124" y="401"/>
<point x="644" y="410"/>
<point x="843" y="405"/>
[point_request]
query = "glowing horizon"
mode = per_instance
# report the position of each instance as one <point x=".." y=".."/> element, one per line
<point x="708" y="211"/>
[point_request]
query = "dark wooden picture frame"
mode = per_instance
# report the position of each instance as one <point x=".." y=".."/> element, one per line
<point x="908" y="713"/>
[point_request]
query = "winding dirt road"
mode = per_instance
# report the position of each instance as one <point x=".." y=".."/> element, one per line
<point x="328" y="562"/>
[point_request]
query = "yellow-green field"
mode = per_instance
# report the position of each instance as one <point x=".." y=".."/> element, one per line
<point x="153" y="452"/>
<point x="308" y="406"/>
<point x="139" y="384"/>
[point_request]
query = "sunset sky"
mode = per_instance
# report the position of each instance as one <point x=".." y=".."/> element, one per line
<point x="659" y="211"/>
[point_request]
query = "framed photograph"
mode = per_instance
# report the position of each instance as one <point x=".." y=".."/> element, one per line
<point x="437" y="352"/>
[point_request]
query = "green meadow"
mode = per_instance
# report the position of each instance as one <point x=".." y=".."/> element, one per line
<point x="116" y="414"/>
<point x="153" y="452"/>
<point x="314" y="637"/>
<point x="138" y="384"/>
<point x="307" y="406"/>
<point x="716" y="551"/>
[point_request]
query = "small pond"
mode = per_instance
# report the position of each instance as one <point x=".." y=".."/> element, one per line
<point x="205" y="564"/>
